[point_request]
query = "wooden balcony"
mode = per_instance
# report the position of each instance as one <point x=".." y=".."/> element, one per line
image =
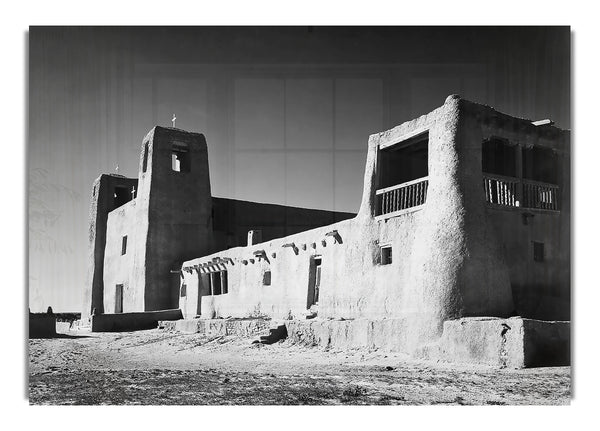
<point x="400" y="197"/>
<point x="501" y="190"/>
<point x="540" y="195"/>
<point x="512" y="192"/>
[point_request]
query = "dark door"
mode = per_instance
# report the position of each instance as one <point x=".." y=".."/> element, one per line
<point x="119" y="298"/>
<point x="317" y="279"/>
<point x="314" y="282"/>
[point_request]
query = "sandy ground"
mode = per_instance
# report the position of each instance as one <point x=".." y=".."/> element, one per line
<point x="158" y="367"/>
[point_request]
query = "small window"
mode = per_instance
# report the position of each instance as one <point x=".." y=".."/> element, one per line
<point x="180" y="158"/>
<point x="124" y="245"/>
<point x="183" y="290"/>
<point x="538" y="251"/>
<point x="386" y="255"/>
<point x="267" y="278"/>
<point x="145" y="159"/>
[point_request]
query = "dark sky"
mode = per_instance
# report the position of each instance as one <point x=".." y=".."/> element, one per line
<point x="286" y="111"/>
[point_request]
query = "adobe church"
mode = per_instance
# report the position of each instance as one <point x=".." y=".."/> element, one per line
<point x="465" y="214"/>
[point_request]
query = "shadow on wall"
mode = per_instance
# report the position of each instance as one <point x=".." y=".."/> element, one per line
<point x="121" y="322"/>
<point x="532" y="302"/>
<point x="42" y="325"/>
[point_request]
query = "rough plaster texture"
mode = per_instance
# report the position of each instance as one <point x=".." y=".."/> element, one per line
<point x="121" y="222"/>
<point x="455" y="256"/>
<point x="132" y="321"/>
<point x="541" y="290"/>
<point x="450" y="258"/>
<point x="385" y="334"/>
<point x="171" y="220"/>
<point x="513" y="342"/>
<point x="219" y="327"/>
<point x="101" y="204"/>
<point x="178" y="210"/>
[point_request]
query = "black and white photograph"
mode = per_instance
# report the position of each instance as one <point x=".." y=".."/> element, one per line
<point x="350" y="215"/>
<point x="299" y="215"/>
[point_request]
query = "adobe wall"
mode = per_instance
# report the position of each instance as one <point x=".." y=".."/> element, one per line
<point x="118" y="267"/>
<point x="174" y="215"/>
<point x="102" y="203"/>
<point x="541" y="290"/>
<point x="42" y="325"/>
<point x="287" y="293"/>
<point x="448" y="256"/>
<point x="132" y="321"/>
<point x="514" y="342"/>
<point x="234" y="218"/>
<point x="455" y="266"/>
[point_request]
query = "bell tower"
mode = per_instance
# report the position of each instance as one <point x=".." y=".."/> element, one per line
<point x="173" y="212"/>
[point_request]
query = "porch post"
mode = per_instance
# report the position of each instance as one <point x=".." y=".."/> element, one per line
<point x="519" y="161"/>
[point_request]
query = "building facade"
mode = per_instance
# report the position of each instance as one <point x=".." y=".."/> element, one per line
<point x="141" y="230"/>
<point x="465" y="212"/>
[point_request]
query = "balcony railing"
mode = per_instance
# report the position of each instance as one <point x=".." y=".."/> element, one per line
<point x="511" y="192"/>
<point x="540" y="195"/>
<point x="501" y="190"/>
<point x="402" y="196"/>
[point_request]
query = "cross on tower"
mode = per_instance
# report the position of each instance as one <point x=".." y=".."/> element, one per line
<point x="173" y="119"/>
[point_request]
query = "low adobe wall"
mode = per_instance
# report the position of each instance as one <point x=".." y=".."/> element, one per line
<point x="132" y="321"/>
<point x="42" y="325"/>
<point x="513" y="342"/>
<point x="386" y="334"/>
<point x="219" y="327"/>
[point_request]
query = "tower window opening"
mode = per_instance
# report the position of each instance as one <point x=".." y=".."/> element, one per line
<point x="145" y="158"/>
<point x="180" y="158"/>
<point x="121" y="196"/>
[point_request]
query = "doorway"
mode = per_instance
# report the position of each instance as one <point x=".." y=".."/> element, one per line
<point x="314" y="281"/>
<point x="119" y="298"/>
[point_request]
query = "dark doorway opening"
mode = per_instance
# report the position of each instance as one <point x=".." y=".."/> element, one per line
<point x="215" y="283"/>
<point x="314" y="281"/>
<point x="119" y="298"/>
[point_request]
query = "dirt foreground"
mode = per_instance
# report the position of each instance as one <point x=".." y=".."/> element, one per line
<point x="158" y="367"/>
